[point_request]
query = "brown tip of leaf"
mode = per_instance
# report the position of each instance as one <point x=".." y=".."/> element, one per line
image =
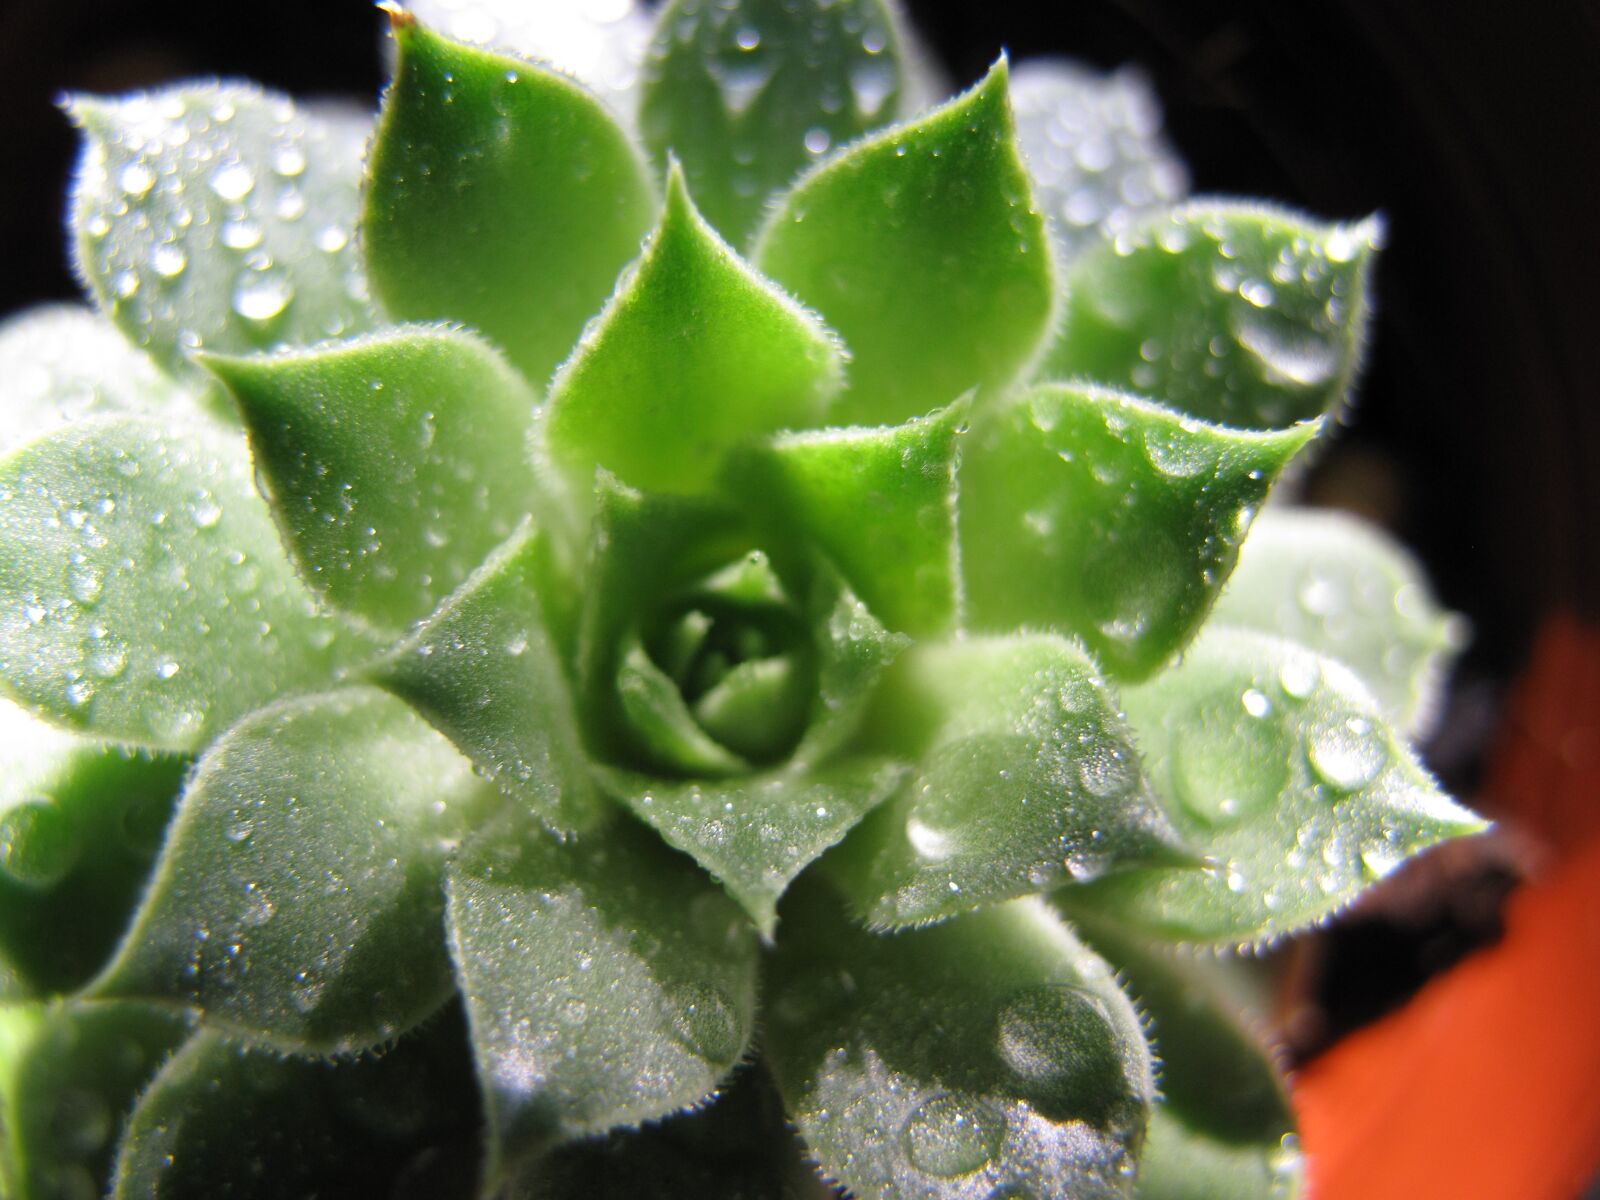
<point x="399" y="19"/>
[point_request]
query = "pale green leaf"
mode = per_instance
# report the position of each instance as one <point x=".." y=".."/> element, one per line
<point x="395" y="463"/>
<point x="499" y="194"/>
<point x="69" y="1073"/>
<point x="297" y="901"/>
<point x="217" y="217"/>
<point x="1278" y="764"/>
<point x="144" y="595"/>
<point x="1234" y="314"/>
<point x="483" y="671"/>
<point x="694" y="353"/>
<point x="748" y="94"/>
<point x="922" y="247"/>
<point x="1026" y="778"/>
<point x="1346" y="590"/>
<point x="1094" y="149"/>
<point x="1108" y="517"/>
<point x="993" y="1055"/>
<point x="607" y="982"/>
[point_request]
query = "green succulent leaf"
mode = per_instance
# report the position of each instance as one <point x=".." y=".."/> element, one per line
<point x="80" y="824"/>
<point x="228" y="1120"/>
<point x="218" y="217"/>
<point x="1094" y="149"/>
<point x="68" y="1075"/>
<point x="1108" y="517"/>
<point x="1346" y="590"/>
<point x="607" y="982"/>
<point x="922" y="247"/>
<point x="394" y="463"/>
<point x="991" y="1055"/>
<point x="499" y="194"/>
<point x="1279" y="764"/>
<point x="694" y="353"/>
<point x="881" y="503"/>
<point x="1230" y="313"/>
<point x="1025" y="779"/>
<point x="297" y="900"/>
<point x="484" y="672"/>
<point x="62" y="363"/>
<point x="1223" y="1129"/>
<point x="749" y="94"/>
<point x="144" y="596"/>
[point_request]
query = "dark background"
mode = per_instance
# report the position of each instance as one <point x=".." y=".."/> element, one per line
<point x="1472" y="126"/>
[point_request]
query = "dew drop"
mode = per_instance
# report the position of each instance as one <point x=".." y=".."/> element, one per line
<point x="136" y="179"/>
<point x="1058" y="1039"/>
<point x="260" y="297"/>
<point x="1347" y="754"/>
<point x="167" y="668"/>
<point x="233" y="181"/>
<point x="168" y="261"/>
<point x="241" y="234"/>
<point x="705" y="1021"/>
<point x="817" y="140"/>
<point x="949" y="1136"/>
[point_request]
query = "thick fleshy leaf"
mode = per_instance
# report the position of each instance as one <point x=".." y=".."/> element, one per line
<point x="1106" y="516"/>
<point x="395" y="463"/>
<point x="144" y="595"/>
<point x="297" y="900"/>
<point x="62" y="363"/>
<point x="694" y="353"/>
<point x="1279" y="765"/>
<point x="881" y="503"/>
<point x="226" y="1120"/>
<point x="922" y="247"/>
<point x="990" y="1056"/>
<point x="1094" y="149"/>
<point x="607" y="982"/>
<point x="1240" y="315"/>
<point x="1343" y="588"/>
<point x="1224" y="1129"/>
<point x="1026" y="778"/>
<point x="749" y="94"/>
<point x="80" y="824"/>
<point x="217" y="217"/>
<point x="483" y="671"/>
<point x="755" y="834"/>
<point x="69" y="1073"/>
<point x="499" y="194"/>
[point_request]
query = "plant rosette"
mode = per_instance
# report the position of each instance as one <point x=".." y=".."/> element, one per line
<point x="459" y="660"/>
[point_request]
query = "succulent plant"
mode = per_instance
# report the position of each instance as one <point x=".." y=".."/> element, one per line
<point x="460" y="661"/>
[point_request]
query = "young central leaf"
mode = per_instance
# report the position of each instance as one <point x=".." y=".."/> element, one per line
<point x="694" y="353"/>
<point x="498" y="194"/>
<point x="922" y="247"/>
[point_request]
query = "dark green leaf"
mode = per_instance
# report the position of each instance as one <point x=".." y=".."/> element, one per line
<point x="395" y="462"/>
<point x="499" y="194"/>
<point x="922" y="247"/>
<point x="144" y="595"/>
<point x="748" y="94"/>
<point x="694" y="353"/>
<point x="1026" y="778"/>
<point x="1233" y="314"/>
<point x="217" y="217"/>
<point x="297" y="900"/>
<point x="1108" y="517"/>
<point x="607" y="983"/>
<point x="1279" y="765"/>
<point x="992" y="1055"/>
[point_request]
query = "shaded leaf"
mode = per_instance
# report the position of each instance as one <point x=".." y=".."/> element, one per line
<point x="607" y="982"/>
<point x="748" y="94"/>
<point x="1233" y="314"/>
<point x="1108" y="517"/>
<point x="144" y="596"/>
<point x="1025" y="778"/>
<point x="694" y="353"/>
<point x="218" y="217"/>
<point x="1279" y="765"/>
<point x="461" y="221"/>
<point x="297" y="899"/>
<point x="922" y="247"/>
<point x="1341" y="587"/>
<point x="989" y="1053"/>
<point x="395" y="463"/>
